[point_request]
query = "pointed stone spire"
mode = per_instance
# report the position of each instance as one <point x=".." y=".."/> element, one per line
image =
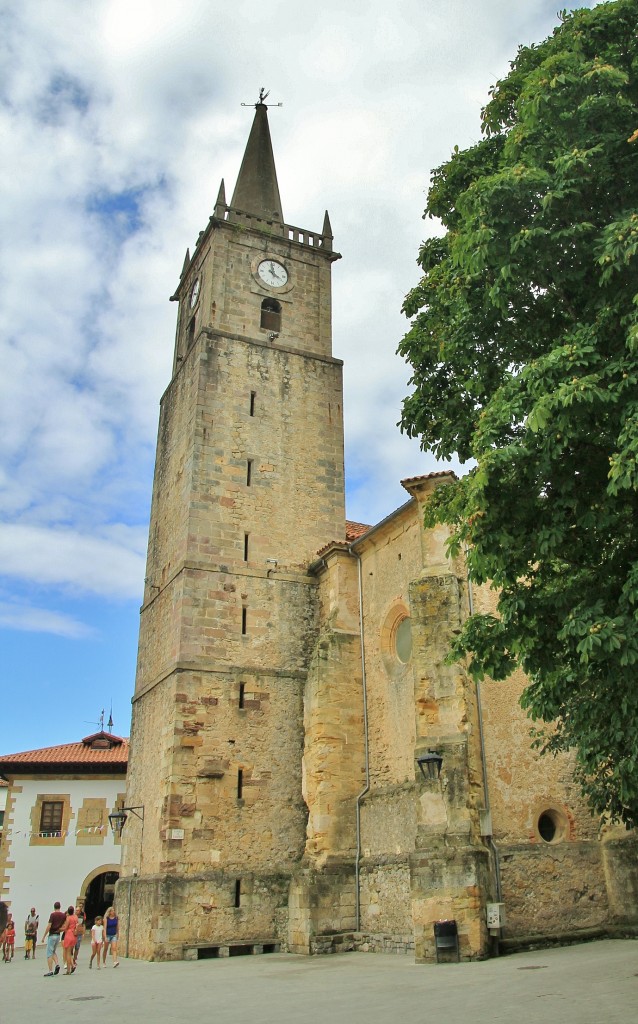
<point x="326" y="231"/>
<point x="257" y="191"/>
<point x="187" y="259"/>
<point x="220" y="205"/>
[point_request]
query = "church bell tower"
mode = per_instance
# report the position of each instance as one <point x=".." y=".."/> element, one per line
<point x="248" y="487"/>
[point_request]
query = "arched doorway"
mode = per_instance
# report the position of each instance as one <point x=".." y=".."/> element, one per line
<point x="98" y="891"/>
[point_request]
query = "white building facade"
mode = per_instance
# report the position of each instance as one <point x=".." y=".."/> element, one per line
<point x="56" y="841"/>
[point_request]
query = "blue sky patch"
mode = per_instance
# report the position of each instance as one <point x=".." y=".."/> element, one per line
<point x="64" y="94"/>
<point x="120" y="211"/>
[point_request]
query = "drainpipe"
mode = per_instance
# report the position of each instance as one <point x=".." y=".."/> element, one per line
<point x="128" y="919"/>
<point x="366" y="746"/>
<point x="486" y="791"/>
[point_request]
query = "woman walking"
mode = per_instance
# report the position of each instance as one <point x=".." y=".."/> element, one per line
<point x="69" y="939"/>
<point x="111" y="935"/>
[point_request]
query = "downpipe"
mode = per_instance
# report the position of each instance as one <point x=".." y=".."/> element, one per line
<point x="366" y="788"/>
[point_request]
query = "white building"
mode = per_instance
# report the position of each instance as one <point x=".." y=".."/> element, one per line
<point x="4" y="789"/>
<point x="56" y="841"/>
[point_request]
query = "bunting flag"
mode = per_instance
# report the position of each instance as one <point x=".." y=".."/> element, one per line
<point x="58" y="834"/>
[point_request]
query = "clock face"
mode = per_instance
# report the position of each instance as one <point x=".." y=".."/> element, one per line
<point x="195" y="293"/>
<point x="272" y="273"/>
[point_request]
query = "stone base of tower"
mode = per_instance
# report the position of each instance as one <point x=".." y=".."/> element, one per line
<point x="449" y="881"/>
<point x="322" y="909"/>
<point x="171" y="916"/>
<point x="400" y="901"/>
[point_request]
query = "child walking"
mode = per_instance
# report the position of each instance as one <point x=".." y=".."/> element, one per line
<point x="97" y="939"/>
<point x="9" y="941"/>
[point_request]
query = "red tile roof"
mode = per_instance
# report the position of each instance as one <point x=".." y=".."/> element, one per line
<point x="429" y="476"/>
<point x="100" y="752"/>
<point x="355" y="530"/>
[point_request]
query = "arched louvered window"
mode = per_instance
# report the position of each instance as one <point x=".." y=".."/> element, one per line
<point x="271" y="315"/>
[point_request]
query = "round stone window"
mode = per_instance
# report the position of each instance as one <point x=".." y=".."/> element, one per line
<point x="396" y="640"/>
<point x="551" y="825"/>
<point x="403" y="640"/>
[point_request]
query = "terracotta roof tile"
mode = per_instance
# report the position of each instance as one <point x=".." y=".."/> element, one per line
<point x="429" y="476"/>
<point x="355" y="530"/>
<point x="101" y="751"/>
<point x="341" y="544"/>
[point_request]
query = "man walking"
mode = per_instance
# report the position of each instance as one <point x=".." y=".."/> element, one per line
<point x="52" y="935"/>
<point x="31" y="934"/>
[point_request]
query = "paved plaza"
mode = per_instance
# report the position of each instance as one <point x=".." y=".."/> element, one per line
<point x="585" y="984"/>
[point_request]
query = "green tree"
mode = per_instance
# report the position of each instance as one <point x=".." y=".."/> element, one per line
<point x="524" y="348"/>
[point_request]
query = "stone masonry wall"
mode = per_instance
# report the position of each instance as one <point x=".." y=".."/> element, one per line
<point x="249" y="485"/>
<point x="294" y="440"/>
<point x="232" y="292"/>
<point x="170" y="914"/>
<point x="389" y="560"/>
<point x="553" y="888"/>
<point x="147" y="782"/>
<point x="333" y="763"/>
<point x="548" y="887"/>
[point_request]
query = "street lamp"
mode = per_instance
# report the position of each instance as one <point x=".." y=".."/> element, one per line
<point x="117" y="820"/>
<point x="430" y="764"/>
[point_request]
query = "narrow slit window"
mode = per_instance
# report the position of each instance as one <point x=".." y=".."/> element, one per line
<point x="191" y="332"/>
<point x="246" y="547"/>
<point x="242" y="694"/>
<point x="240" y="783"/>
<point x="271" y="315"/>
<point x="249" y="472"/>
<point x="244" y="621"/>
<point x="238" y="892"/>
<point x="253" y="395"/>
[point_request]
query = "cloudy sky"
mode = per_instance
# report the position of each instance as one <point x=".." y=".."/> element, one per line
<point x="119" y="118"/>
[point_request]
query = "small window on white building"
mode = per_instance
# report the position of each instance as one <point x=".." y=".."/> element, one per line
<point x="51" y="816"/>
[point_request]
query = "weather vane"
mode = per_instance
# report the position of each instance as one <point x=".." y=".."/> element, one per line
<point x="100" y="724"/>
<point x="261" y="102"/>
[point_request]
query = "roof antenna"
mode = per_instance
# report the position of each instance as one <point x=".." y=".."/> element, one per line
<point x="261" y="102"/>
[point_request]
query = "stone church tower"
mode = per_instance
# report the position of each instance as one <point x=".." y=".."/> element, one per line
<point x="307" y="772"/>
<point x="249" y="484"/>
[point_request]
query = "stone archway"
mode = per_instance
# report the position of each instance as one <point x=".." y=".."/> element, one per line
<point x="98" y="890"/>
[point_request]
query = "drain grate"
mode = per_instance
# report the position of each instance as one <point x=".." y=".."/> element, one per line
<point x="533" y="967"/>
<point x="83" y="999"/>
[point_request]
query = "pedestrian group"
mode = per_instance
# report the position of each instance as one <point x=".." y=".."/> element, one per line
<point x="65" y="927"/>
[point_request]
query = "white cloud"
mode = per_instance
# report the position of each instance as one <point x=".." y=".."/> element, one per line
<point x="109" y="97"/>
<point x="90" y="564"/>
<point x="42" y="620"/>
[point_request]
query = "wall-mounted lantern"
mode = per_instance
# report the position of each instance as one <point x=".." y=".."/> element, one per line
<point x="117" y="820"/>
<point x="430" y="764"/>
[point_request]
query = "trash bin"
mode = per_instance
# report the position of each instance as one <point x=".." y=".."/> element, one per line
<point x="446" y="938"/>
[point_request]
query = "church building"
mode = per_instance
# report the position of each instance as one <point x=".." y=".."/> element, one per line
<point x="309" y="773"/>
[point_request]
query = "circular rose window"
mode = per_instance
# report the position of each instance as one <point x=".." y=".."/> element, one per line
<point x="403" y="641"/>
<point x="396" y="639"/>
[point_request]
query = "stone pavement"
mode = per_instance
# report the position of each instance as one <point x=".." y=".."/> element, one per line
<point x="585" y="984"/>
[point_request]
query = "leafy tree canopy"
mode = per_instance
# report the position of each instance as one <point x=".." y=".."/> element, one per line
<point x="524" y="347"/>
